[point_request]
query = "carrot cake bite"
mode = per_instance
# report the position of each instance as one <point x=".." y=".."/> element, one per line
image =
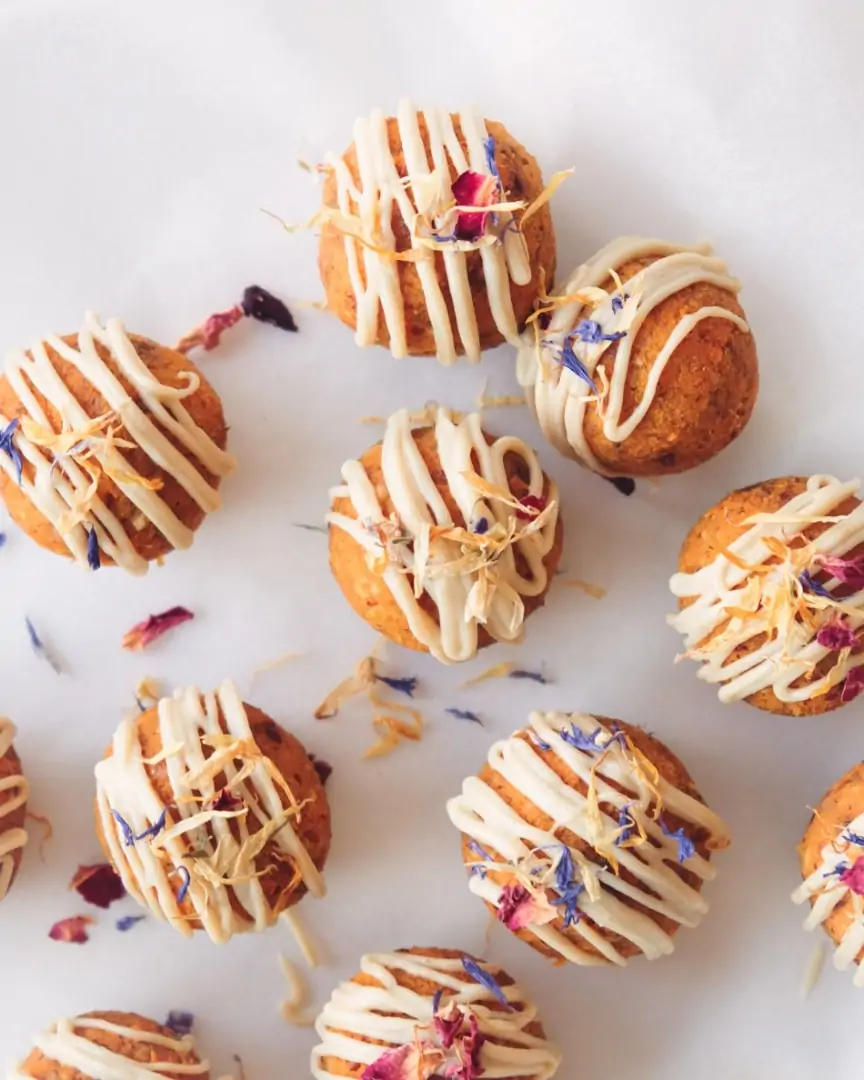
<point x="436" y="236"/>
<point x="443" y="538"/>
<point x="111" y="1046"/>
<point x="642" y="363"/>
<point x="417" y="1014"/>
<point x="770" y="584"/>
<point x="212" y="814"/>
<point x="628" y="868"/>
<point x="113" y="446"/>
<point x="14" y="790"/>
<point x="832" y="865"/>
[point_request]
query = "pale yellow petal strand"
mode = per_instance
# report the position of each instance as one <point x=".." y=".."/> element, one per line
<point x="546" y="194"/>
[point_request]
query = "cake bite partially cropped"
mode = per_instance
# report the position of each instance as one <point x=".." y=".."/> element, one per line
<point x="417" y="1014"/>
<point x="832" y="865"/>
<point x="113" y="446"/>
<point x="627" y="870"/>
<point x="443" y="538"/>
<point x="643" y="362"/>
<point x="770" y="584"/>
<point x="14" y="790"/>
<point x="436" y="236"/>
<point x="212" y="814"/>
<point x="111" y="1046"/>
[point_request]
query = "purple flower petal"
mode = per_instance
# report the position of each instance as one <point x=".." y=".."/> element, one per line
<point x="853" y="684"/>
<point x="853" y="876"/>
<point x="846" y="571"/>
<point x="473" y="189"/>
<point x="836" y="634"/>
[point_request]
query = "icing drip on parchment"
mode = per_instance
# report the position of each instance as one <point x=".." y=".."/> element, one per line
<point x="829" y="886"/>
<point x="381" y="192"/>
<point x="492" y="823"/>
<point x="194" y="838"/>
<point x="71" y="1050"/>
<point x="393" y="1014"/>
<point x="464" y="594"/>
<point x="11" y="840"/>
<point x="784" y="657"/>
<point x="58" y="488"/>
<point x="558" y="396"/>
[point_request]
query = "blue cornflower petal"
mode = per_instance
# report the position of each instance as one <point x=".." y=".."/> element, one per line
<point x="618" y="302"/>
<point x="480" y="526"/>
<point x="7" y="445"/>
<point x="852" y="838"/>
<point x="577" y="738"/>
<point x="591" y="332"/>
<point x="94" y="559"/>
<point x="155" y="828"/>
<point x="401" y="685"/>
<point x="808" y="582"/>
<point x="571" y="361"/>
<point x="125" y="828"/>
<point x="686" y="847"/>
<point x="185" y="882"/>
<point x="128" y="921"/>
<point x="482" y="977"/>
<point x="436" y="1001"/>
<point x="465" y="714"/>
<point x="489" y="150"/>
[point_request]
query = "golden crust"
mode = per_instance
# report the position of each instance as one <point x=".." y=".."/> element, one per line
<point x="705" y="395"/>
<point x="10" y="765"/>
<point x="293" y="763"/>
<point x="840" y="805"/>
<point x="425" y="988"/>
<point x="204" y="406"/>
<point x="670" y="768"/>
<point x="41" y="1068"/>
<point x="717" y="529"/>
<point x="367" y="592"/>
<point x="521" y="178"/>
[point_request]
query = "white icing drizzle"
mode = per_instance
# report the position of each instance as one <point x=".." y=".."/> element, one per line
<point x="824" y="888"/>
<point x="483" y="815"/>
<point x="418" y="503"/>
<point x="57" y="486"/>
<point x="780" y="662"/>
<point x="375" y="279"/>
<point x="557" y="396"/>
<point x="392" y="1014"/>
<point x="123" y="785"/>
<point x="11" y="840"/>
<point x="63" y="1045"/>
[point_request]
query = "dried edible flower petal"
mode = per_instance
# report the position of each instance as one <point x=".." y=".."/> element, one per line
<point x="519" y="908"/>
<point x="128" y="921"/>
<point x="853" y="876"/>
<point x="152" y="628"/>
<point x="532" y="676"/>
<point x="465" y="714"/>
<point x="185" y="882"/>
<point x="596" y="592"/>
<point x="448" y="1023"/>
<point x="485" y="978"/>
<point x="568" y="359"/>
<point x="154" y="829"/>
<point x="73" y="930"/>
<point x="626" y="485"/>
<point x="497" y="671"/>
<point x="406" y="685"/>
<point x="8" y="447"/>
<point x="853" y="838"/>
<point x="853" y="684"/>
<point x="99" y="884"/>
<point x="473" y="189"/>
<point x="809" y="583"/>
<point x="836" y="634"/>
<point x="263" y="306"/>
<point x="846" y="571"/>
<point x="359" y="682"/>
<point x="41" y="649"/>
<point x="180" y="1022"/>
<point x="531" y="506"/>
<point x="125" y="828"/>
<point x="686" y="847"/>
<point x="577" y="738"/>
<point x="591" y="332"/>
<point x="468" y="1049"/>
<point x="257" y="303"/>
<point x="94" y="559"/>
<point x="400" y="1063"/>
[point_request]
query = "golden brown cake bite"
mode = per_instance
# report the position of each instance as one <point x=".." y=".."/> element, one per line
<point x="642" y="363"/>
<point x="624" y="873"/>
<point x="111" y="1046"/>
<point x="832" y="865"/>
<point x="113" y="447"/>
<point x="14" y="790"/>
<point x="422" y="1013"/>
<point x="770" y="584"/>
<point x="443" y="538"/>
<point x="213" y="815"/>
<point x="436" y="239"/>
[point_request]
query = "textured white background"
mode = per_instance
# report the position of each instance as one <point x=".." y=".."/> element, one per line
<point x="138" y="144"/>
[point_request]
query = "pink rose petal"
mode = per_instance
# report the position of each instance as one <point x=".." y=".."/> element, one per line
<point x="847" y="571"/>
<point x="518" y="908"/>
<point x="473" y="189"/>
<point x="853" y="876"/>
<point x="72" y="930"/>
<point x="153" y="627"/>
<point x="853" y="684"/>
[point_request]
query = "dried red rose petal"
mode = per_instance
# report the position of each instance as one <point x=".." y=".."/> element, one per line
<point x="226" y="800"/>
<point x="846" y="571"/>
<point x="468" y="1049"/>
<point x="153" y="627"/>
<point x="401" y="1063"/>
<point x="99" y="884"/>
<point x="518" y="908"/>
<point x="72" y="930"/>
<point x="853" y="876"/>
<point x="853" y="684"/>
<point x="473" y="189"/>
<point x="836" y="634"/>
<point x="448" y="1024"/>
<point x="531" y="503"/>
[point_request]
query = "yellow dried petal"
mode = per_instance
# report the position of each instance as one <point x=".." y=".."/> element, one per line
<point x="546" y="194"/>
<point x="595" y="591"/>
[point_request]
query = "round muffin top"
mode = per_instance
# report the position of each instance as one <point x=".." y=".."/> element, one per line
<point x="434" y="238"/>
<point x="832" y="865"/>
<point x="627" y="870"/>
<point x="213" y="816"/>
<point x="114" y="446"/>
<point x="112" y="1046"/>
<point x="14" y="790"/>
<point x="457" y="534"/>
<point x="646" y="365"/>
<point x="420" y="1013"/>
<point x="771" y="587"/>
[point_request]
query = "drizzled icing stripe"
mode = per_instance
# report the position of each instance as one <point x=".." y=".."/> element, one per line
<point x="11" y="840"/>
<point x="70" y="1050"/>
<point x="392" y="1014"/>
<point x="123" y="785"/>
<point x="827" y="892"/>
<point x="483" y="815"/>
<point x="419" y="504"/>
<point x="58" y="486"/>
<point x="782" y="660"/>
<point x="559" y="397"/>
<point x="381" y="192"/>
